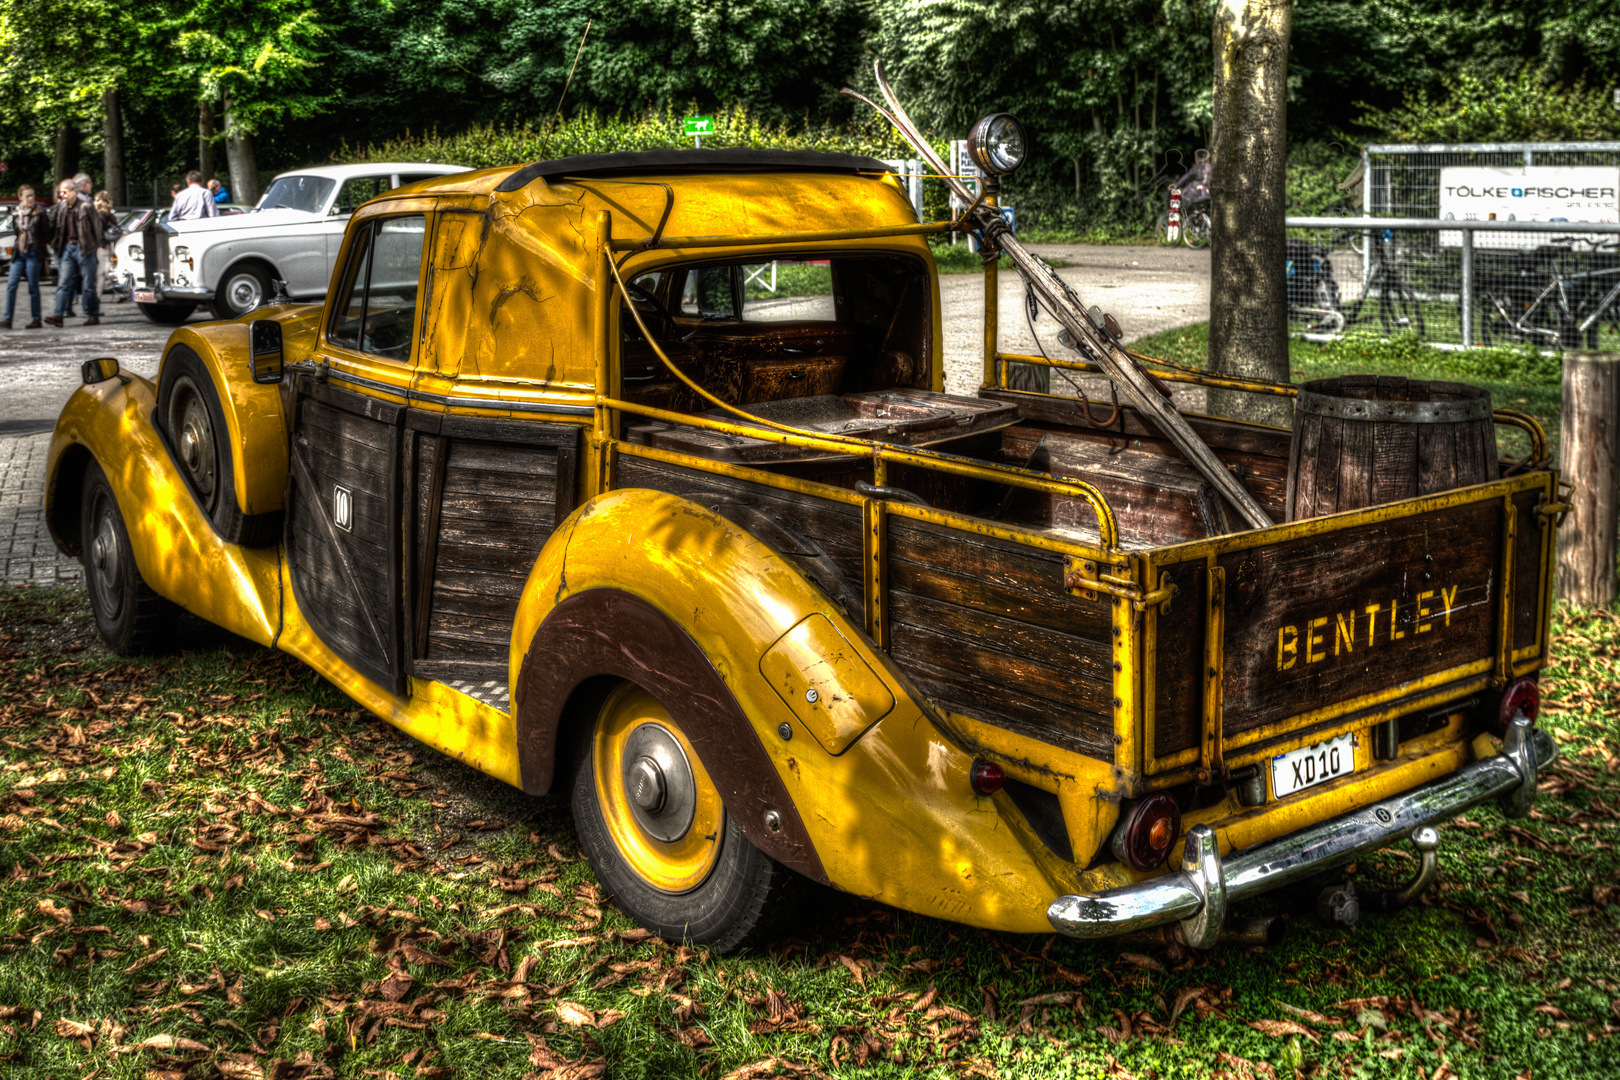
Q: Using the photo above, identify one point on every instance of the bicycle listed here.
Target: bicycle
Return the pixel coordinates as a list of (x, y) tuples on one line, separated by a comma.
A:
[(1182, 223), (1536, 302), (1399, 309), (1191, 228), (1312, 290)]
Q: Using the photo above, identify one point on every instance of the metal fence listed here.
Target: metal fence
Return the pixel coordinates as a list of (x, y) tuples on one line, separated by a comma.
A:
[(1555, 285), (1404, 180)]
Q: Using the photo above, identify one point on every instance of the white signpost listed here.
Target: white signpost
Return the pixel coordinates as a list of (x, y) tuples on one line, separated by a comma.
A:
[(1527, 193)]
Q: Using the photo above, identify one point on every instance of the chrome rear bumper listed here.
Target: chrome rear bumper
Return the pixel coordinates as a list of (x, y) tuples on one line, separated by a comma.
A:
[(1198, 895)]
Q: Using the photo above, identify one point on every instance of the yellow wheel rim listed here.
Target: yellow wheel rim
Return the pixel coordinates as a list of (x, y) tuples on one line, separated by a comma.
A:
[(661, 808)]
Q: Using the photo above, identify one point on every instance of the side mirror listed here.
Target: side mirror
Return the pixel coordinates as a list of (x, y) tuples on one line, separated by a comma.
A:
[(100, 370), (264, 344)]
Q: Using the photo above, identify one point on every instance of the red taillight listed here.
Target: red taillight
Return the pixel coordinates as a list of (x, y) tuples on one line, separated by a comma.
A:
[(1151, 829), (987, 777), (1522, 696)]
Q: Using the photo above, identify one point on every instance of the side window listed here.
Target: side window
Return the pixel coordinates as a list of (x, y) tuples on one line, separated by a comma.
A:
[(358, 189), (348, 315), (378, 306)]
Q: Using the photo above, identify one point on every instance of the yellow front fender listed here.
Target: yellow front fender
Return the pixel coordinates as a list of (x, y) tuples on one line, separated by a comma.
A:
[(888, 813), (176, 548)]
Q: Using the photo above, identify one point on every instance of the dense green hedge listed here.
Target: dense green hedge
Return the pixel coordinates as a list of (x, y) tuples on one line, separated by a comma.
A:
[(591, 133)]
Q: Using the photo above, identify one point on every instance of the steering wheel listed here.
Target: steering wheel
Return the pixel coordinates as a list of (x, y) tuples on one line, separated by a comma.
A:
[(658, 305)]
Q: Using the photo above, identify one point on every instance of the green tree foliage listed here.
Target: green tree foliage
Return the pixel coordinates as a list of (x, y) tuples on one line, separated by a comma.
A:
[(261, 57), (1104, 87), (1353, 55), (1527, 107), (1112, 91)]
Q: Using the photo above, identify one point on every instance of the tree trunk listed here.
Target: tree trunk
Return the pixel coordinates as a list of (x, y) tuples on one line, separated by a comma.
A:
[(1589, 456), (67, 153), (205, 140), (239, 157), (112, 153), (1248, 306)]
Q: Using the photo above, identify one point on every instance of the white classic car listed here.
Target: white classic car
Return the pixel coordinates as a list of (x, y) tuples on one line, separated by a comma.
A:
[(231, 262)]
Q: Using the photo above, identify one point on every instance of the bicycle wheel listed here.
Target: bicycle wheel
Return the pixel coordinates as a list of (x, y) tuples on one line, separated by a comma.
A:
[(1327, 298), (1399, 310), (1162, 228), (1195, 228)]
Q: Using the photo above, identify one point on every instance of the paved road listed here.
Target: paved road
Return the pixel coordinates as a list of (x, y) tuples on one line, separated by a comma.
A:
[(40, 368), (1145, 289)]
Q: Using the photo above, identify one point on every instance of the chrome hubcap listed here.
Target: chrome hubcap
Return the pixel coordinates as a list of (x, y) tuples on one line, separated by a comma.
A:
[(659, 781), (104, 563), (647, 785), (194, 439), (243, 292)]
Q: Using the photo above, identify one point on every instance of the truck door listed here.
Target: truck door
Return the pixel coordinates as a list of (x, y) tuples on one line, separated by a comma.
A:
[(410, 530), (344, 507)]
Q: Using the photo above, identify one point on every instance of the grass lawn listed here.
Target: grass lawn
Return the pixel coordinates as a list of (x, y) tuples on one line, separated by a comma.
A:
[(212, 864)]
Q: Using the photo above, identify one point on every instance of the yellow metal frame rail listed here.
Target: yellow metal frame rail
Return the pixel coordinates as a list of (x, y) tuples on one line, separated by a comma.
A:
[(1508, 417)]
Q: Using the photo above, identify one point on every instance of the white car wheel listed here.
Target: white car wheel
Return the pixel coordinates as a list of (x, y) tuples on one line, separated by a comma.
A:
[(243, 289)]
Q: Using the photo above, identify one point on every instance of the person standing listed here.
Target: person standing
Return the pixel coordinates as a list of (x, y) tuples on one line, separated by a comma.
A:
[(76, 229), (81, 181), (217, 192), (174, 192), (28, 255), (193, 202), (109, 233)]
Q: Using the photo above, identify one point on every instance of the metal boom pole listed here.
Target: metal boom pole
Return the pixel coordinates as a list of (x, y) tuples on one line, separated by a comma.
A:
[(1065, 306)]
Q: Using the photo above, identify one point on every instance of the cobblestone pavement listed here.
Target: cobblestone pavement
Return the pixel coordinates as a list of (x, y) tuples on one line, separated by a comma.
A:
[(27, 554)]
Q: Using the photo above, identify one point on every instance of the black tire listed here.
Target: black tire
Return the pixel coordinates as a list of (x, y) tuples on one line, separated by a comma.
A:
[(1400, 311), (168, 313), (1195, 228), (744, 899), (131, 617), (244, 287), (193, 421)]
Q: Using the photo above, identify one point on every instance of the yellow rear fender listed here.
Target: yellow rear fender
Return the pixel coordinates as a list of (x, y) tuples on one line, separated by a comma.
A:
[(822, 753), (176, 548)]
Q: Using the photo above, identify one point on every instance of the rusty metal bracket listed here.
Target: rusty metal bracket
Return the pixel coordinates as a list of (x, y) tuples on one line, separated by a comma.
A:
[(1561, 507), (1166, 585), (1083, 578)]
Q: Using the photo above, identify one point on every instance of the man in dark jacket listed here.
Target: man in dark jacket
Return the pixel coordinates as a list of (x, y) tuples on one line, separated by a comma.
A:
[(77, 228)]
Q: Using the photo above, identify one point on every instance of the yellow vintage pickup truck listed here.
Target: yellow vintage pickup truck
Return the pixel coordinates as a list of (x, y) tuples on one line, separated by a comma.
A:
[(633, 476)]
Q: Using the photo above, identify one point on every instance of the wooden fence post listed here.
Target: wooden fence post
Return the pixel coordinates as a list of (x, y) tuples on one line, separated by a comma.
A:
[(1589, 457)]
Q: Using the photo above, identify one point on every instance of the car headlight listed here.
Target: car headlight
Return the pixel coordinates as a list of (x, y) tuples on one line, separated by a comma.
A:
[(135, 253), (997, 144)]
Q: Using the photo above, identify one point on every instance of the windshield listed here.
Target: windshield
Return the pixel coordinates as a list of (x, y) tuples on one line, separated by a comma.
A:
[(306, 193)]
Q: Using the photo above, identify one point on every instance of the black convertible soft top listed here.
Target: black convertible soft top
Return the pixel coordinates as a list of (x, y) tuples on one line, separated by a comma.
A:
[(643, 162)]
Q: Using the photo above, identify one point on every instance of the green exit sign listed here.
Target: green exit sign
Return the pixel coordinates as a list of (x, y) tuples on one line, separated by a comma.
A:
[(698, 125)]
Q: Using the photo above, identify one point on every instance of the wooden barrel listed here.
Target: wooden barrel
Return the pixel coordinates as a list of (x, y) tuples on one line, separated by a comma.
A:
[(1364, 440)]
